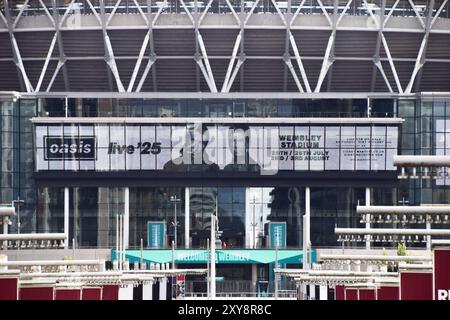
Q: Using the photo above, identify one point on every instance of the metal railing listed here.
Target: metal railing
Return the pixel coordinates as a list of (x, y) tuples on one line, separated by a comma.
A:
[(310, 7)]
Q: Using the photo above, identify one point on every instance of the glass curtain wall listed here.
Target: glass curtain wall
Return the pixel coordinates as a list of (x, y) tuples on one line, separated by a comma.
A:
[(16, 156)]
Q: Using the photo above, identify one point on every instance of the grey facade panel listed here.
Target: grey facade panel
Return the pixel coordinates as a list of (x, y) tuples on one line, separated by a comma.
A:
[(355, 44), (435, 77), (350, 76), (87, 43), (264, 42), (88, 75), (263, 75), (311, 42), (9, 80), (219, 42), (5, 47), (127, 42), (175, 75), (438, 46), (402, 44), (34, 46), (174, 42)]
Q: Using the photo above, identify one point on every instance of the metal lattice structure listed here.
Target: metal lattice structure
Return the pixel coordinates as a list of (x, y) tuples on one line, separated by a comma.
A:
[(298, 46)]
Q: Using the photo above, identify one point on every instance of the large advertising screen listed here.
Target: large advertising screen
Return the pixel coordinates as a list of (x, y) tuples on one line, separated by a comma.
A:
[(201, 146)]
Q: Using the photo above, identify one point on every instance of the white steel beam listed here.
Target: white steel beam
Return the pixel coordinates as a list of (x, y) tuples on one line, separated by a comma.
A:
[(144, 75), (390, 13), (111, 15), (206, 61), (236, 17), (325, 12), (233, 76), (279, 12), (139, 61), (420, 61), (419, 17), (294, 75), (251, 11), (204, 12), (327, 62), (383, 74), (47, 60), (299, 62), (327, 59), (95, 12), (391, 63), (66, 13), (141, 12), (231, 64), (297, 12), (19, 15), (438, 12)]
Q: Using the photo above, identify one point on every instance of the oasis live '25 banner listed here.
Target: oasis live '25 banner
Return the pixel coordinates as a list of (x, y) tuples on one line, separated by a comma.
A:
[(271, 148)]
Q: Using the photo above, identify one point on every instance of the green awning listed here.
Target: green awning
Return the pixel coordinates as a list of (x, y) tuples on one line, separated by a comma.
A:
[(248, 256)]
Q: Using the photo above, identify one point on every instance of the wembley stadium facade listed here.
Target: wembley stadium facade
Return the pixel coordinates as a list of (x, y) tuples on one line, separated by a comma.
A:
[(278, 117)]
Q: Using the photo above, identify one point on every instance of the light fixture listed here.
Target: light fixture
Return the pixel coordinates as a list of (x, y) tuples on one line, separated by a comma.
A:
[(388, 219)]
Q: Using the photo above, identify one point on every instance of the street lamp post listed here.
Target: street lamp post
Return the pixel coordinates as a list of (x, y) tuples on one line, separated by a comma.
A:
[(174, 199)]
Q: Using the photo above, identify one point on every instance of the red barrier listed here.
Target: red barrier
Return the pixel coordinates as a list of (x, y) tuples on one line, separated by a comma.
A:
[(366, 294), (339, 293), (9, 288), (416, 285), (351, 294), (92, 293), (441, 274), (110, 292), (36, 293), (388, 293), (67, 294)]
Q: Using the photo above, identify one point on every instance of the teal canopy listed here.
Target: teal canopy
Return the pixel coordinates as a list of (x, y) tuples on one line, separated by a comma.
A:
[(248, 256)]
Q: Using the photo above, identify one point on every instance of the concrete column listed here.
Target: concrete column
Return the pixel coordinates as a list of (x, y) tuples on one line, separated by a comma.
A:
[(312, 292), (254, 277), (163, 289), (368, 217), (323, 292), (147, 291), (306, 227), (3, 258), (76, 219), (66, 217), (187, 238), (103, 219), (428, 227), (248, 222), (213, 258), (126, 218)]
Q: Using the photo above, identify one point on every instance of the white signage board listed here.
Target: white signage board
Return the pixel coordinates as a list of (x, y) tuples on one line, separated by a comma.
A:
[(272, 148)]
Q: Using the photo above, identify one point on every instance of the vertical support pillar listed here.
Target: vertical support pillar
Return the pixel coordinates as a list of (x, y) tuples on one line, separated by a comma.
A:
[(306, 227), (187, 226), (213, 258), (126, 218), (368, 218), (312, 292), (147, 291), (306, 240), (323, 292), (163, 288), (66, 217), (254, 277), (428, 227)]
